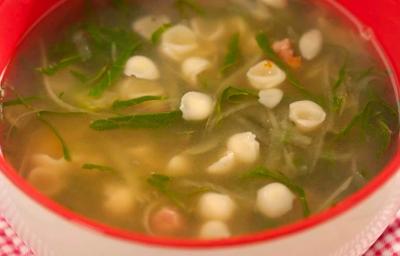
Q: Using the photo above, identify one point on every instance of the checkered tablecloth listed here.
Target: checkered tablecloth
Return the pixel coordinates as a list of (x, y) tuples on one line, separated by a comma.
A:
[(387, 245)]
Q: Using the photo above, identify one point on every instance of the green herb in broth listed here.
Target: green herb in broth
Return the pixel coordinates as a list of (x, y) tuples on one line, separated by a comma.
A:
[(102, 168), (79, 76), (121, 126), (342, 75), (232, 57), (121, 104), (65, 149), (151, 121), (185, 6), (162, 184), (113, 72), (232, 95), (120, 4), (156, 36), (19, 101), (55, 67), (377, 120)]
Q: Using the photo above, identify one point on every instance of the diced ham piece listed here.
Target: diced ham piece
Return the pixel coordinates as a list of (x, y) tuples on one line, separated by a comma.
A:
[(285, 50), (167, 221)]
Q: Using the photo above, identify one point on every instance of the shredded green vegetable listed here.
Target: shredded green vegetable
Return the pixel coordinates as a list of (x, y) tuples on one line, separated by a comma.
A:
[(19, 101), (151, 121), (377, 120), (185, 6), (79, 76), (120, 104), (113, 72), (341, 76), (162, 184), (156, 36), (232, 94), (65, 149), (233, 55), (53, 68), (102, 168)]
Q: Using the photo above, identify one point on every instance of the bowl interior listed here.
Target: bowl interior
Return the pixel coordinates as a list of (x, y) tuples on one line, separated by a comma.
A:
[(383, 23)]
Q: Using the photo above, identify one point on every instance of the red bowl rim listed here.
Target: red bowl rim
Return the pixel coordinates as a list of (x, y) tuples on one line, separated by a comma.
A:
[(282, 232)]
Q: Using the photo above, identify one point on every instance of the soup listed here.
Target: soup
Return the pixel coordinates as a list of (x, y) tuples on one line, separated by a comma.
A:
[(201, 120)]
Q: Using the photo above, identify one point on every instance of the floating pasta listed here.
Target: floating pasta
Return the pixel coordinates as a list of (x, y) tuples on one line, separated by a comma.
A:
[(274, 200), (307, 115), (178, 42), (146, 25), (141, 67), (310, 44), (209, 30), (265, 75), (194, 66), (270, 98), (196, 106), (215, 206), (223, 165)]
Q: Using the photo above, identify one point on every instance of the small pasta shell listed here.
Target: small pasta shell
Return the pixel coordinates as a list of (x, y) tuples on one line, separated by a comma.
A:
[(192, 67), (223, 165), (265, 75), (178, 42), (310, 44), (307, 115), (244, 146), (146, 25), (274, 200), (208, 30), (196, 106), (270, 98), (141, 67)]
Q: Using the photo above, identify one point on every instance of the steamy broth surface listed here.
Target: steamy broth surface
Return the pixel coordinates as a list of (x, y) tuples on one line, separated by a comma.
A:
[(197, 119)]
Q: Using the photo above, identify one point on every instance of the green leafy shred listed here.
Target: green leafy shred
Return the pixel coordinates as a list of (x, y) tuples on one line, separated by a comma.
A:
[(185, 6), (162, 184), (365, 73), (233, 55), (19, 101), (65, 149), (337, 103), (172, 187), (342, 75), (102, 168), (53, 68), (151, 121), (156, 36), (79, 76), (377, 121), (120, 104), (264, 173), (119, 4), (113, 72), (233, 94), (265, 45), (103, 37)]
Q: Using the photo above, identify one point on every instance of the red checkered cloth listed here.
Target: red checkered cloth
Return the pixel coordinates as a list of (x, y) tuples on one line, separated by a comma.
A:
[(387, 245), (10, 244)]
